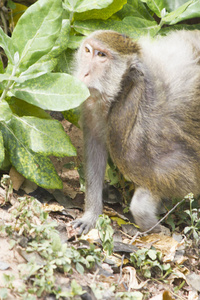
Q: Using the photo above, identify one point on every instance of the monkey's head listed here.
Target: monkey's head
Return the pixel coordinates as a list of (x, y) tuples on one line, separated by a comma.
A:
[(103, 58)]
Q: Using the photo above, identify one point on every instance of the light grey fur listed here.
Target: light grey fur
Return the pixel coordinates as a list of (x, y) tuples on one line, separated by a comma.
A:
[(144, 110)]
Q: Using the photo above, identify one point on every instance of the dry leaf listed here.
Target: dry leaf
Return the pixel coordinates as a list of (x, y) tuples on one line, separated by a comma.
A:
[(16, 178), (166, 244), (167, 296), (193, 280), (52, 207), (129, 277)]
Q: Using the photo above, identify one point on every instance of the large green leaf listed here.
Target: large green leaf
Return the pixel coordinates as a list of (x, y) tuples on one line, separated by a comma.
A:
[(134, 8), (5, 112), (2, 151), (103, 13), (75, 41), (80, 6), (41, 67), (174, 16), (192, 10), (52, 91), (173, 5), (7, 45), (43, 136), (134, 27), (166, 30), (62, 41), (65, 61), (73, 116), (156, 6), (36, 167), (48, 62), (22, 108), (37, 30)]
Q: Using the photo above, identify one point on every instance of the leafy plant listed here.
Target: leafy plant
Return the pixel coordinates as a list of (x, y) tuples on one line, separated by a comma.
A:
[(40, 49), (105, 233), (149, 262), (30, 220), (27, 133), (194, 214)]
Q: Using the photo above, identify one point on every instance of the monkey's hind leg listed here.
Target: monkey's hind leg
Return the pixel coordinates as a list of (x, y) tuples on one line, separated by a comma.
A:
[(144, 208)]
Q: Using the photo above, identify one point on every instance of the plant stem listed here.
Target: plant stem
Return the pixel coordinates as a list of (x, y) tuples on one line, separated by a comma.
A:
[(9, 84)]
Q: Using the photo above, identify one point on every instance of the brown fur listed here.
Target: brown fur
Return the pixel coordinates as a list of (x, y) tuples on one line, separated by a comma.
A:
[(144, 110)]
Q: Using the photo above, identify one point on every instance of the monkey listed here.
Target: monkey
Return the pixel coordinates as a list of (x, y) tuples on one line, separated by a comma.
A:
[(143, 111)]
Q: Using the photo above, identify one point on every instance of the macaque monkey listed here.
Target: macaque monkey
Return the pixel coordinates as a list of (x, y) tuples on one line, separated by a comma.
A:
[(144, 110)]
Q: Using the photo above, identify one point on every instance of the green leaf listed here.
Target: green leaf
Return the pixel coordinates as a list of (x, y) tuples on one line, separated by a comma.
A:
[(1, 67), (73, 116), (7, 45), (134, 8), (173, 5), (2, 151), (166, 30), (62, 41), (5, 112), (37, 30), (189, 10), (85, 5), (56, 243), (52, 91), (175, 16), (44, 136), (41, 67), (79, 268), (75, 41), (65, 61), (22, 108), (35, 167), (134, 27), (103, 13), (152, 254), (156, 6), (6, 77)]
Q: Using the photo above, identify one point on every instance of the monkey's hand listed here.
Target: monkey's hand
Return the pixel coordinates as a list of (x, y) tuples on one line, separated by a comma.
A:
[(86, 223)]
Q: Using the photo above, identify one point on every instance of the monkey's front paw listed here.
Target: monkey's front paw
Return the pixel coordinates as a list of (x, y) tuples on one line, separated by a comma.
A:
[(87, 222)]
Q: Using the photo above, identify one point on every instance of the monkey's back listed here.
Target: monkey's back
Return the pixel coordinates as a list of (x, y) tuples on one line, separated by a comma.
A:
[(160, 145)]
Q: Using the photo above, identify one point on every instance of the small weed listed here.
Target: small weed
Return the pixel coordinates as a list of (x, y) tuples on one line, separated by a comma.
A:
[(149, 263), (105, 233), (194, 214), (43, 239)]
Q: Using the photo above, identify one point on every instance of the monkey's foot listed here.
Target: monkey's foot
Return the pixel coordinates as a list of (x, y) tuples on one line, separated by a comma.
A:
[(86, 223)]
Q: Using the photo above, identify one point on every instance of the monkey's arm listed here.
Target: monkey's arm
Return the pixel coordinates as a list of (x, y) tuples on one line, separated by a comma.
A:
[(95, 163)]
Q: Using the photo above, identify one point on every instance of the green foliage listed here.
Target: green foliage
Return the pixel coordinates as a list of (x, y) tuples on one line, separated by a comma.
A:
[(129, 295), (194, 214), (105, 233), (149, 263), (41, 48), (43, 239), (27, 134), (186, 217)]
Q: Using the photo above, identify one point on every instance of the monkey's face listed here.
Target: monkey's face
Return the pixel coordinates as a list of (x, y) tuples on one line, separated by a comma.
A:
[(102, 60), (94, 62)]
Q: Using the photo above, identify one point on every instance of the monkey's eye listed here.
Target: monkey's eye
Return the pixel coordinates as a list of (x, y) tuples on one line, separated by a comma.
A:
[(99, 53), (87, 49)]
